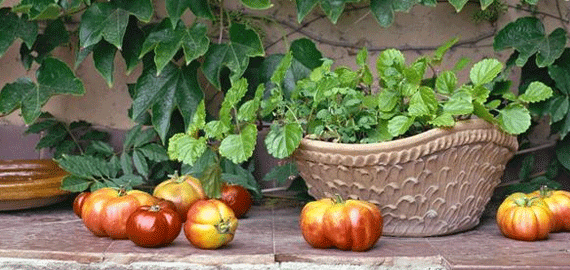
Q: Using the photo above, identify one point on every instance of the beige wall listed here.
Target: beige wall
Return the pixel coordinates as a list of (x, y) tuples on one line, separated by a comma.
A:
[(416, 32)]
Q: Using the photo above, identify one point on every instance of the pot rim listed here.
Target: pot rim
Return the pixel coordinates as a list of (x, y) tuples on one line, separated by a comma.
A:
[(462, 126)]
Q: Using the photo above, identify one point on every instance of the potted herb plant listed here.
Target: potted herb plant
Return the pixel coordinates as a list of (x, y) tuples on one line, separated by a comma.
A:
[(428, 150)]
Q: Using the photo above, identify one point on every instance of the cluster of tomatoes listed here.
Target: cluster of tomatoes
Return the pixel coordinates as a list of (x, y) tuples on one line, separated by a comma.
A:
[(535, 215), (157, 219)]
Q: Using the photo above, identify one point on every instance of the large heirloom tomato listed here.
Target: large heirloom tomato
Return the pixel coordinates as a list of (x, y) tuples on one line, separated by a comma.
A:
[(524, 217), (237, 198), (210, 224), (558, 202), (183, 191), (106, 210), (348, 225), (153, 226)]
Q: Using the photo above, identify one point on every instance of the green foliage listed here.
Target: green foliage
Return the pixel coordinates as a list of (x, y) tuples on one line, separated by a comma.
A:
[(339, 106)]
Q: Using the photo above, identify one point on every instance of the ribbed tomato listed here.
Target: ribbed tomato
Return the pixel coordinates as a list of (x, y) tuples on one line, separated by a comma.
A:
[(237, 198), (210, 224), (153, 226), (79, 201), (106, 210), (183, 191), (348, 225), (524, 217), (558, 202)]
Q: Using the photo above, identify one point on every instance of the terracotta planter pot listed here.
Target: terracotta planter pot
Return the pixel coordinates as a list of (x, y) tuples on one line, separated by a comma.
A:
[(30, 183), (434, 183)]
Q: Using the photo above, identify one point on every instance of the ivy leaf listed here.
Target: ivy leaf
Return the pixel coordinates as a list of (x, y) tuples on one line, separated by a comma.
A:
[(39, 9), (132, 44), (382, 11), (560, 72), (334, 8), (104, 60), (13, 27), (174, 88), (108, 20), (458, 4), (485, 71), (535, 92), (166, 42), (399, 125), (558, 108), (459, 103), (185, 148), (54, 77), (527, 36), (257, 4), (239, 147), (54, 35), (304, 7), (281, 141), (244, 43), (175, 9), (514, 119)]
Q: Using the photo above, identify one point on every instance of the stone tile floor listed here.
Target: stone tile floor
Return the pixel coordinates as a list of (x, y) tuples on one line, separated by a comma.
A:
[(268, 238)]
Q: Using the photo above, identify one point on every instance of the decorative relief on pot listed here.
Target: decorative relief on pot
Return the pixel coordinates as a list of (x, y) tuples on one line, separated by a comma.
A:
[(424, 190)]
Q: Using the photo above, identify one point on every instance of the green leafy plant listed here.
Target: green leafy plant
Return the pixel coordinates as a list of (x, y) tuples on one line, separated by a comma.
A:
[(543, 58), (78, 137), (339, 105)]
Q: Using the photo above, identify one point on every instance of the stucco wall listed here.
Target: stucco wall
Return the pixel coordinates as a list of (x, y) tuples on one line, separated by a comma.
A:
[(416, 32)]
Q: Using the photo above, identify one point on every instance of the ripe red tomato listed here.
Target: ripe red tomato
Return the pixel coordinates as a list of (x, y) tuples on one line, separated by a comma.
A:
[(153, 226), (78, 202), (237, 198), (348, 225), (210, 224), (558, 202), (183, 191), (524, 217), (106, 210)]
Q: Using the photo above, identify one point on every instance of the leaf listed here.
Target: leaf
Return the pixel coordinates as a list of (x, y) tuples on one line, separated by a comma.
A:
[(84, 166), (563, 153), (211, 180), (482, 112), (459, 103), (527, 165), (53, 36), (244, 43), (99, 147), (104, 60), (443, 49), (140, 163), (536, 92), (174, 88), (40, 126), (304, 7), (236, 174), (39, 9), (514, 119), (132, 45), (458, 4), (399, 125), (560, 72), (281, 141), (485, 71), (387, 100), (527, 36), (154, 152), (446, 82), (54, 136), (233, 96), (282, 173), (281, 69), (443, 120), (257, 4), (423, 102), (54, 78), (383, 10), (13, 27), (126, 163), (239, 147), (176, 8), (185, 148), (166, 42), (334, 8), (73, 183), (108, 20), (558, 108)]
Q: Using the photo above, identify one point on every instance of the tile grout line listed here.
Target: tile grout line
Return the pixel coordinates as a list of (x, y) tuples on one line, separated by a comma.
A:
[(273, 234)]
